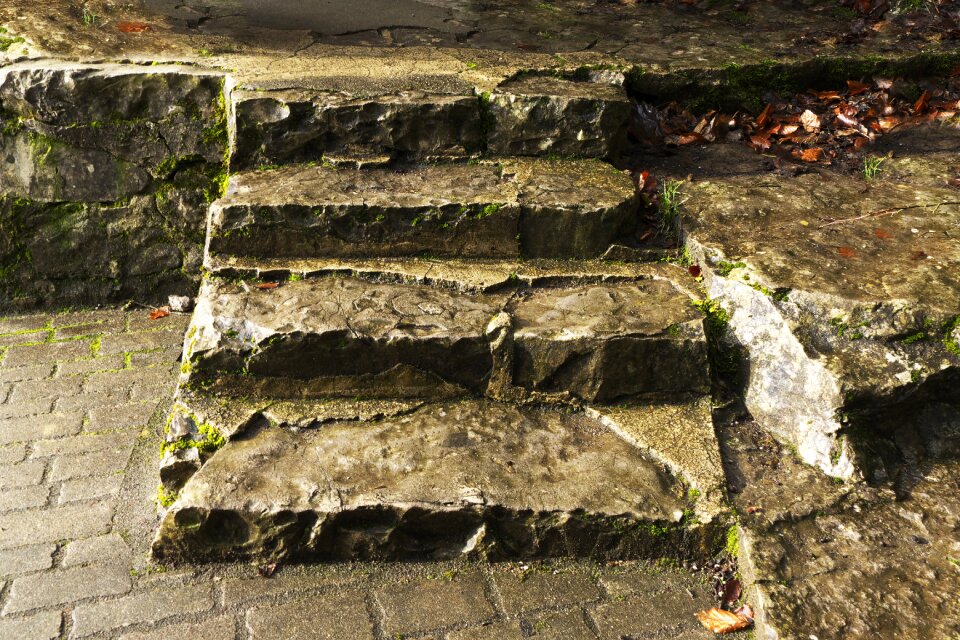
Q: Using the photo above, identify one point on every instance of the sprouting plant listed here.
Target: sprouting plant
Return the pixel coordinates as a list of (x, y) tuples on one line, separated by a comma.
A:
[(871, 166), (89, 18), (670, 208)]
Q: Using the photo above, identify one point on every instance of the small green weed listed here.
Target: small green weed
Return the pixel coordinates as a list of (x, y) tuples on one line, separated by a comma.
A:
[(872, 166), (670, 208)]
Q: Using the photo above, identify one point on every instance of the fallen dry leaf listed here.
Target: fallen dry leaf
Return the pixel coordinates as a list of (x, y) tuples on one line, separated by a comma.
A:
[(810, 121), (695, 270), (133, 27), (732, 591), (159, 312), (882, 234), (268, 285), (720, 621), (809, 155), (846, 252)]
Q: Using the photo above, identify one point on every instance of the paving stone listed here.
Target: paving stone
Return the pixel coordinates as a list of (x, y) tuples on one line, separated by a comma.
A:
[(647, 615), (89, 329), (566, 625), (159, 357), (93, 402), (40, 427), (140, 341), (26, 559), (433, 604), (101, 550), (150, 607), (619, 584), (10, 340), (44, 353), (28, 408), (135, 414), (91, 488), (105, 363), (222, 628), (65, 586), (341, 616), (12, 453), (103, 462), (238, 590), (11, 324), (27, 391), (21, 474), (536, 590), (84, 443), (124, 379), (50, 525), (504, 630), (175, 323), (42, 626), (23, 498), (465, 474), (35, 372)]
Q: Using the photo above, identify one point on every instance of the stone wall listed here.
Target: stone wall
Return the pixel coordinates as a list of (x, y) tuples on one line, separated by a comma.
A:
[(106, 172)]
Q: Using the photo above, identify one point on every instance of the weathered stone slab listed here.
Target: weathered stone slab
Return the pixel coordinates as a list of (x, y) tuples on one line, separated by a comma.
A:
[(95, 133), (847, 302), (283, 127), (342, 336), (540, 115), (465, 210), (547, 209), (602, 343), (470, 477)]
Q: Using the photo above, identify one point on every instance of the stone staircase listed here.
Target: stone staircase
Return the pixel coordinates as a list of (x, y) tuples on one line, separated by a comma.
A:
[(407, 343)]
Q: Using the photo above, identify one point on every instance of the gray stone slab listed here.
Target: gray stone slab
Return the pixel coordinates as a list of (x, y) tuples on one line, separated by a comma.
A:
[(40, 427), (846, 303), (23, 498), (341, 616), (42, 626), (222, 628), (98, 463), (91, 488), (433, 604), (503, 630), (522, 592), (448, 210), (26, 559), (21, 474), (445, 480), (64, 523), (150, 607), (102, 550), (282, 127), (65, 586), (539, 115), (563, 625), (12, 453)]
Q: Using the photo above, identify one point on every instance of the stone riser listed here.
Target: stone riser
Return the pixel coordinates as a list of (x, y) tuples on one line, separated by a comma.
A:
[(345, 336), (534, 209), (528, 116)]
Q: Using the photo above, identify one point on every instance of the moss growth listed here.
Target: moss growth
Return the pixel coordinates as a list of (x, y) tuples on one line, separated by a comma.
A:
[(724, 268), (725, 356), (732, 546), (166, 498)]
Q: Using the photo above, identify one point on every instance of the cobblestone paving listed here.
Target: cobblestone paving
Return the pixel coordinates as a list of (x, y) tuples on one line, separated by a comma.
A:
[(82, 402)]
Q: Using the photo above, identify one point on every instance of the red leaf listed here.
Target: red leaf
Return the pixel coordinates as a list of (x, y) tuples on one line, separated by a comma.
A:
[(882, 234), (754, 509), (133, 27), (159, 312), (731, 592), (268, 285), (918, 255), (856, 88), (760, 142), (847, 252), (809, 155), (921, 104), (695, 270), (764, 116)]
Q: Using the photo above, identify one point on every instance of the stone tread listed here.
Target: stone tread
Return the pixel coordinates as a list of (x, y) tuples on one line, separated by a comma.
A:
[(447, 479), (538, 208), (598, 342)]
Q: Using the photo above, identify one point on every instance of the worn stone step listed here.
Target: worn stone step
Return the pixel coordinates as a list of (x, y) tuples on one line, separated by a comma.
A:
[(343, 336), (429, 117), (846, 304), (471, 477), (537, 208)]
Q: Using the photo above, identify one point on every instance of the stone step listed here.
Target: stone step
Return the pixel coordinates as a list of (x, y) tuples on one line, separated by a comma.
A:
[(470, 477), (432, 117), (537, 208), (342, 335)]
